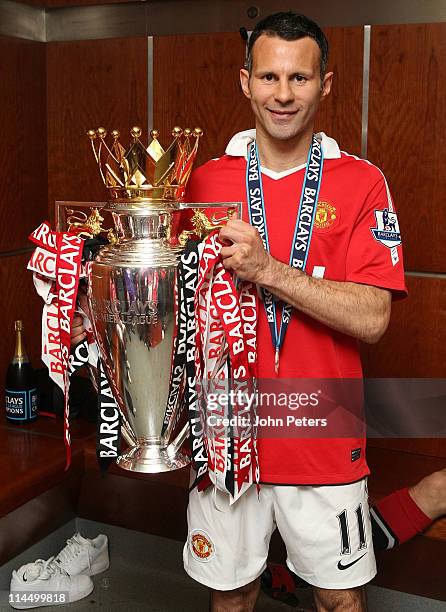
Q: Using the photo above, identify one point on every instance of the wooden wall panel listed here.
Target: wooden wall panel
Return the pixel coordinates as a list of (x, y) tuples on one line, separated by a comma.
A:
[(407, 113), (413, 347), (407, 131), (23, 193), (415, 344), (23, 171), (19, 301), (196, 82), (340, 114), (434, 447), (90, 84)]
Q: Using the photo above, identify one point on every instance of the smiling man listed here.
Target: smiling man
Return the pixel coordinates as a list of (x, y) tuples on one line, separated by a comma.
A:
[(313, 237)]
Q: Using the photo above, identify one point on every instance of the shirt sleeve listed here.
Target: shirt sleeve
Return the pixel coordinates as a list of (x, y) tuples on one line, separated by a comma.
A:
[(374, 255)]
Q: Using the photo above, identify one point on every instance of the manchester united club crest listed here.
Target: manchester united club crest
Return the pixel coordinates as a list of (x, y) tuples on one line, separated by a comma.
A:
[(327, 216), (387, 230), (201, 545)]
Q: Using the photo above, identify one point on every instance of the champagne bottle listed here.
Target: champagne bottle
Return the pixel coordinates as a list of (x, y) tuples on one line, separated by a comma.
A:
[(20, 387)]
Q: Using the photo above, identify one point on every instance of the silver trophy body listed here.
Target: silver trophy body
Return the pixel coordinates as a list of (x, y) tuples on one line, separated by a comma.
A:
[(131, 294)]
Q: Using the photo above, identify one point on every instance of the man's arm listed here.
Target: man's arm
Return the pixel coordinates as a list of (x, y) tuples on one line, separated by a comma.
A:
[(357, 310)]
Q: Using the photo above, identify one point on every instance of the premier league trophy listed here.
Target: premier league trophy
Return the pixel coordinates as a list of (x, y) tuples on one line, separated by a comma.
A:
[(132, 292)]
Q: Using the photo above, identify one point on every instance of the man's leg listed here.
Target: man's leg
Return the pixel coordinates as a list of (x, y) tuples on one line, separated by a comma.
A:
[(242, 599), (430, 494), (227, 544), (398, 517), (327, 533), (349, 600)]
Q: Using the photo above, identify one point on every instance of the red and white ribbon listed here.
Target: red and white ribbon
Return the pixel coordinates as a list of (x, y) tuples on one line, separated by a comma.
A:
[(56, 264), (226, 327)]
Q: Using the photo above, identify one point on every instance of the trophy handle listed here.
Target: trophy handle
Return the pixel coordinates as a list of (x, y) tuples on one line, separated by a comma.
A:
[(178, 442), (203, 226)]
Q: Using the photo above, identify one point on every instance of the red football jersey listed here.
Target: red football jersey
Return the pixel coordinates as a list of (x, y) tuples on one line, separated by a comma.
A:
[(355, 238)]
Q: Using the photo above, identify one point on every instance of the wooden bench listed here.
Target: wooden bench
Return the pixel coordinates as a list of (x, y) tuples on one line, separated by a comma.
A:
[(37, 495)]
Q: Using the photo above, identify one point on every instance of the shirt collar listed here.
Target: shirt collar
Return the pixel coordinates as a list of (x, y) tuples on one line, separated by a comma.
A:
[(238, 145)]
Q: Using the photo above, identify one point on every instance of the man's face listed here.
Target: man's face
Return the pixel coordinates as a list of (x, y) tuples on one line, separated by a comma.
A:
[(284, 86)]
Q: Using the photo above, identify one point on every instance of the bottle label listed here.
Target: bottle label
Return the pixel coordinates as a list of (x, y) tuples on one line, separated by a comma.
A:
[(21, 405)]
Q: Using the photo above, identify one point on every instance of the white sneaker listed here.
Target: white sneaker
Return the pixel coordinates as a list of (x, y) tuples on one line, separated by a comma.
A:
[(84, 556), (44, 583)]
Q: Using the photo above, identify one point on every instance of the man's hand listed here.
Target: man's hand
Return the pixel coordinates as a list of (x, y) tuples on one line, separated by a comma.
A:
[(77, 330), (246, 256), (360, 311), (77, 327)]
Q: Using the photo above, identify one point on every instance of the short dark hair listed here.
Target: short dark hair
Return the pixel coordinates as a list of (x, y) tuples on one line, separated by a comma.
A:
[(289, 26)]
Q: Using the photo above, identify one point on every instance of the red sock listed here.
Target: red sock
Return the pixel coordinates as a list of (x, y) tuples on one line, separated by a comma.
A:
[(402, 515)]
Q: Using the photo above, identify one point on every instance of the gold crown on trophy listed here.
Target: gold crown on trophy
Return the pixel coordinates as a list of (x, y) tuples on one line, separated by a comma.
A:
[(149, 173)]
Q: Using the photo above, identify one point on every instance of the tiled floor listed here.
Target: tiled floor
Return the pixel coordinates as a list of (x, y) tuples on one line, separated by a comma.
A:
[(146, 574)]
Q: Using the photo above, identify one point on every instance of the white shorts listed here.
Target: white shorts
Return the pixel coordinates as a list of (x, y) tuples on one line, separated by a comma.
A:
[(326, 530)]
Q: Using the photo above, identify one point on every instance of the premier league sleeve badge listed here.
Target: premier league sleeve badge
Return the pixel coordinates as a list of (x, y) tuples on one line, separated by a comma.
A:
[(387, 230)]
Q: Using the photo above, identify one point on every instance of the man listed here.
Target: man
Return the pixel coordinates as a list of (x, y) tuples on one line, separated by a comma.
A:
[(285, 79), (279, 73), (340, 291)]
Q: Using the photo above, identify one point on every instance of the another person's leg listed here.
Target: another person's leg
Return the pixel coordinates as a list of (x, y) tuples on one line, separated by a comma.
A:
[(398, 517), (430, 494)]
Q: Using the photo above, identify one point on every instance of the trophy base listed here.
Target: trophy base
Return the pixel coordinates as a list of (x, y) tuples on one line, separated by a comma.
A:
[(151, 459)]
